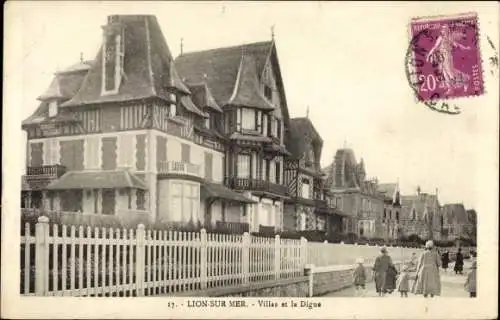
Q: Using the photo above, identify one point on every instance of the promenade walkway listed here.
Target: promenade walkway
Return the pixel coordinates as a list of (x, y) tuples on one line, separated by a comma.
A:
[(451, 286)]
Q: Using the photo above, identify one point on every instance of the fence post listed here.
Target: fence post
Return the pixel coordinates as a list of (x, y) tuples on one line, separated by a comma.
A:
[(309, 272), (203, 258), (245, 257), (303, 251), (277, 257), (42, 256), (140, 259)]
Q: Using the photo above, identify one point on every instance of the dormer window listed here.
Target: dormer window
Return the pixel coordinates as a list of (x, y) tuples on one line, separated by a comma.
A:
[(113, 57), (268, 93), (173, 105), (52, 108)]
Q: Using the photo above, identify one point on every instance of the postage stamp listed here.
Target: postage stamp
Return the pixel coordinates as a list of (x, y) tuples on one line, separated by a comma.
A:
[(445, 57)]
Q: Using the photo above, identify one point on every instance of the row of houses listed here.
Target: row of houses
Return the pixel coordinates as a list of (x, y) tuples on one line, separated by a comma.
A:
[(205, 138)]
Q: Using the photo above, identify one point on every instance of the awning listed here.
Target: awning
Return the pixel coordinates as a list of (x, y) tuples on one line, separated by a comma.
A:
[(219, 191), (97, 180)]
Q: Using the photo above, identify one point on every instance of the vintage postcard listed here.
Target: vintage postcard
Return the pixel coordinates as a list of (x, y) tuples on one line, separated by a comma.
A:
[(250, 160)]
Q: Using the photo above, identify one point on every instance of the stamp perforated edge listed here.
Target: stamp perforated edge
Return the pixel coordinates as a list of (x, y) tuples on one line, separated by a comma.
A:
[(478, 45)]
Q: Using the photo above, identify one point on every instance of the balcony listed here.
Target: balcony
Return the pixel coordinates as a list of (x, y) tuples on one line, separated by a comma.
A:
[(255, 185), (179, 168), (232, 227), (45, 172)]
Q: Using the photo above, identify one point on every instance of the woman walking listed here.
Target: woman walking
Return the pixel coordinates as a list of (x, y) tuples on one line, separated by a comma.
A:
[(428, 282), (382, 264), (459, 262), (445, 259)]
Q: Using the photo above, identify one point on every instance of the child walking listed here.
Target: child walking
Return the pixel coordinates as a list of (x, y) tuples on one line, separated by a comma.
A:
[(470, 283), (403, 283), (359, 278)]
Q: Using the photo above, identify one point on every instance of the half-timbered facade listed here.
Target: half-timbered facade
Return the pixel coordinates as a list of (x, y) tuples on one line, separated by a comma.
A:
[(245, 82), (308, 208), (123, 136)]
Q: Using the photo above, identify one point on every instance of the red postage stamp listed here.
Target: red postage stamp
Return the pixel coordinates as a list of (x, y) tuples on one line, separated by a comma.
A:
[(446, 57)]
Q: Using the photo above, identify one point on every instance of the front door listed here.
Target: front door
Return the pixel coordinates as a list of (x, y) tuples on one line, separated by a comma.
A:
[(108, 201)]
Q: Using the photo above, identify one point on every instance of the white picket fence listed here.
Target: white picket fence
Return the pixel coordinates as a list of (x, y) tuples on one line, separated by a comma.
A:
[(110, 262), (70, 261)]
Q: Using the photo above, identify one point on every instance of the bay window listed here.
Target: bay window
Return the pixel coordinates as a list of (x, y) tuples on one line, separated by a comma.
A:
[(185, 202), (248, 119), (305, 188), (243, 166)]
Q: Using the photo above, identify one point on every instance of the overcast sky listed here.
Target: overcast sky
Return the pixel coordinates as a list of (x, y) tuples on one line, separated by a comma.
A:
[(349, 70)]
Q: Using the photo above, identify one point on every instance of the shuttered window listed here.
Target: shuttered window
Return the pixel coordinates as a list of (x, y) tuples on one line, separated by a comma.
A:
[(126, 146), (209, 166), (72, 154), (185, 152), (92, 152)]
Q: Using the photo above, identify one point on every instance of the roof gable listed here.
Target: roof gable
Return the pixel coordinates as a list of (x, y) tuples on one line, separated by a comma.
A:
[(148, 68), (219, 67)]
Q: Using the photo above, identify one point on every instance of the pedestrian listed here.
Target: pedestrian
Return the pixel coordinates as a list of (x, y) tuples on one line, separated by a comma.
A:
[(428, 282), (445, 259), (359, 278), (390, 279), (470, 283), (380, 267), (403, 283), (459, 262)]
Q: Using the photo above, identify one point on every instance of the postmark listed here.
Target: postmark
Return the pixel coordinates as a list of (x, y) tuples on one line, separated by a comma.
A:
[(443, 60)]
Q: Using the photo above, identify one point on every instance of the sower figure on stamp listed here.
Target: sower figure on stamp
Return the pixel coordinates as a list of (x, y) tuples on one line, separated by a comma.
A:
[(428, 281), (441, 54)]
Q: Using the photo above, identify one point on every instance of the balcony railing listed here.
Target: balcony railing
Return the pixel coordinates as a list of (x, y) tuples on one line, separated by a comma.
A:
[(52, 171), (254, 185), (179, 167), (232, 227)]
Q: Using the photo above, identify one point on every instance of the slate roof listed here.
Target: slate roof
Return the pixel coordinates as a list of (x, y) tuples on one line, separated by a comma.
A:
[(220, 67), (297, 141), (190, 106), (455, 212), (202, 96), (148, 67), (214, 190), (97, 180)]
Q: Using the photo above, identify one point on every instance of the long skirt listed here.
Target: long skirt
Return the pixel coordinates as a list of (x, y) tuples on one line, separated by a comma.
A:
[(380, 281), (428, 281)]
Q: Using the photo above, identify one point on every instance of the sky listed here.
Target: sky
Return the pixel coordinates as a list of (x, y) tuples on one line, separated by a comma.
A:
[(349, 70)]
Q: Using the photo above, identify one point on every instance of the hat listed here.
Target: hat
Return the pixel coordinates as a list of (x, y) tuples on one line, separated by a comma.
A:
[(429, 244), (405, 267), (383, 250)]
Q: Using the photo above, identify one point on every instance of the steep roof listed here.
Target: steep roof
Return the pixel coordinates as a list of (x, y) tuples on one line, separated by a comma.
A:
[(148, 68), (202, 96), (345, 175), (297, 138), (220, 67), (455, 212)]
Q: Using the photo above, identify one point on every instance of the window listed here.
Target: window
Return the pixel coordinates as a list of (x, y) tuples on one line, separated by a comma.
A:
[(413, 215), (243, 166), (96, 200), (185, 152), (268, 169), (208, 166), (397, 216), (129, 198), (268, 93), (141, 199), (302, 221), (52, 108), (390, 215), (258, 120), (305, 188), (385, 214), (278, 172), (248, 119), (207, 122), (278, 124)]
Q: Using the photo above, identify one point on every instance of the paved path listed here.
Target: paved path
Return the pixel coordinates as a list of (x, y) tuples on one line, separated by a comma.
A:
[(451, 286)]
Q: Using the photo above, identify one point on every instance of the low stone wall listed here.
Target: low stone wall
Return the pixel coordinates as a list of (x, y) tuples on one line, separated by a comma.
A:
[(335, 278), (296, 287)]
